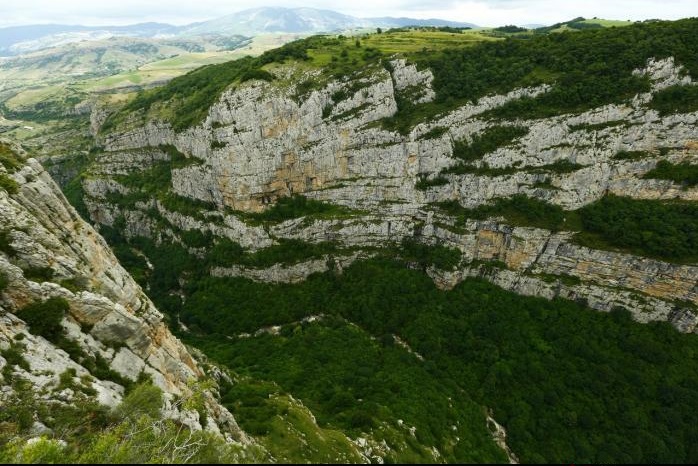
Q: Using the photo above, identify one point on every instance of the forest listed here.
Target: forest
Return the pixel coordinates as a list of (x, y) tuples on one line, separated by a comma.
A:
[(569, 384)]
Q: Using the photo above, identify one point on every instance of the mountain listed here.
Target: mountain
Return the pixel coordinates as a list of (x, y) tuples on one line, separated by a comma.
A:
[(276, 19), (389, 22), (22, 39), (408, 246), (303, 20)]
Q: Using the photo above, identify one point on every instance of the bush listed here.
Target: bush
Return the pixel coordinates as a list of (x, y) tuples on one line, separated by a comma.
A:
[(143, 400), (675, 99), (38, 274), (8, 184), (44, 318), (4, 281), (683, 173), (9, 159)]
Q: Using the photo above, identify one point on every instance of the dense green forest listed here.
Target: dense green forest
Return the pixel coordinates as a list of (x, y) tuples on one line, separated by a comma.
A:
[(552, 371), (667, 230), (589, 68)]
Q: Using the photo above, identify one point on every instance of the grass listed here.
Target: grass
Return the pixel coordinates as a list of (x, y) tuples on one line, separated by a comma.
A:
[(9, 159), (8, 184)]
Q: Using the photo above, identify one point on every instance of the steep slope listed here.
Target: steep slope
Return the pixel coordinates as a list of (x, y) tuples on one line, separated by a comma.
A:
[(303, 215), (259, 144), (72, 321)]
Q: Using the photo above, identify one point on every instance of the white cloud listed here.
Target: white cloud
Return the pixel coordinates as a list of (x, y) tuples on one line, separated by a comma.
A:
[(485, 12)]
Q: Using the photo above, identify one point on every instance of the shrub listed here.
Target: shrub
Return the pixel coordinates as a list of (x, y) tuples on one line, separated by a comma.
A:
[(8, 184), (44, 318), (4, 281), (683, 173), (144, 400)]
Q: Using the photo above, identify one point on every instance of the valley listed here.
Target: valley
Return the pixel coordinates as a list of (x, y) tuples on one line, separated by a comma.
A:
[(390, 242)]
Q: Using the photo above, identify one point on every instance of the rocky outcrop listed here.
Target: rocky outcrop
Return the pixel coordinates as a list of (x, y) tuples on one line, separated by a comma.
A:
[(260, 142), (109, 317)]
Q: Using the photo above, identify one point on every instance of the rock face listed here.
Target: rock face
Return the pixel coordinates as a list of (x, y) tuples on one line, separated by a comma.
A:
[(259, 143), (109, 316)]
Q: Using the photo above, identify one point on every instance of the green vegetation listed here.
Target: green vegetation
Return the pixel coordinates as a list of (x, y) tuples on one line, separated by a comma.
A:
[(190, 95), (44, 318), (632, 155), (598, 126), (488, 141), (8, 184), (510, 29), (288, 251), (550, 370), (4, 281), (85, 432), (518, 210), (287, 208), (589, 68), (563, 278), (481, 144), (683, 173), (13, 357), (439, 256), (38, 274), (434, 133), (185, 100), (561, 166), (9, 159), (6, 243), (676, 99), (424, 182), (666, 230), (580, 23)]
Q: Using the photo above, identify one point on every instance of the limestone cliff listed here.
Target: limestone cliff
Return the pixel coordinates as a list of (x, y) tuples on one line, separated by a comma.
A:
[(48, 251), (260, 142)]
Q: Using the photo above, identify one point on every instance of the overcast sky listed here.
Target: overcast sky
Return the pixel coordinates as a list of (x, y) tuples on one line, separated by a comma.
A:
[(482, 12)]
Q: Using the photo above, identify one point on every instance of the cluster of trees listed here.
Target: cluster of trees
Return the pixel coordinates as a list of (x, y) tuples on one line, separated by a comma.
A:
[(480, 144), (519, 210), (675, 99), (667, 230), (589, 68), (569, 384), (661, 229), (683, 173), (296, 206)]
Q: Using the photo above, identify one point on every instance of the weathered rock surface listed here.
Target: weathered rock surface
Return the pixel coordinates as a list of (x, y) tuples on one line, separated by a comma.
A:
[(106, 306), (259, 143)]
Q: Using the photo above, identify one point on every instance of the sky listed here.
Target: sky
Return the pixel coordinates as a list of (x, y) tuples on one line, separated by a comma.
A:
[(481, 12)]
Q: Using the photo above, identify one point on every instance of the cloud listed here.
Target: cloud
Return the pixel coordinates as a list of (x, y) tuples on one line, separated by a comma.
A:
[(486, 12)]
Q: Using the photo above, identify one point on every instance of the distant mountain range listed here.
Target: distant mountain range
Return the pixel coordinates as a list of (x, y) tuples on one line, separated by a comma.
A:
[(22, 39)]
